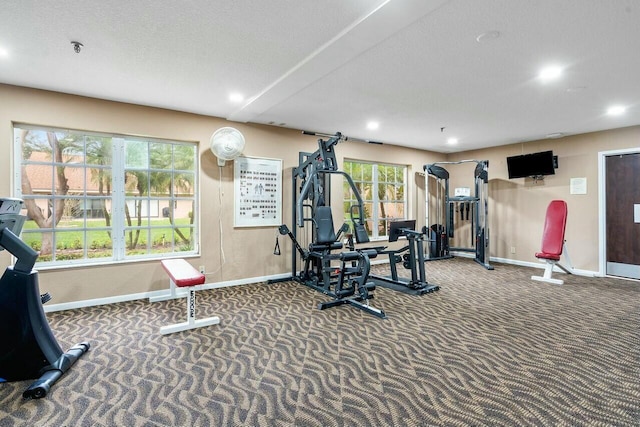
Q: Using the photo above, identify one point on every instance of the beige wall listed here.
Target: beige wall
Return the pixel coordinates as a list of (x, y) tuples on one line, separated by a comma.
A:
[(248, 251), (516, 207)]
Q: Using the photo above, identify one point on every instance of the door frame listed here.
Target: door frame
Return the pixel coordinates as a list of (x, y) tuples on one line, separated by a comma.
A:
[(602, 203)]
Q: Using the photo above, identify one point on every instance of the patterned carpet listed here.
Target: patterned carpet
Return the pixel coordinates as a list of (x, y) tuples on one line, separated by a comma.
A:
[(491, 348)]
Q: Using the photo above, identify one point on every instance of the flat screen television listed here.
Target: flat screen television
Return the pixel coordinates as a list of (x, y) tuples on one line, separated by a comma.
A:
[(534, 164)]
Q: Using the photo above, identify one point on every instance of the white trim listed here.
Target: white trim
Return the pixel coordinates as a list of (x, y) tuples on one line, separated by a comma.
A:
[(577, 272), (602, 206), (145, 295)]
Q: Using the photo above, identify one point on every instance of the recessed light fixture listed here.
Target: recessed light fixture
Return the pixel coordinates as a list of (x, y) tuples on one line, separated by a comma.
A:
[(452, 141), (3, 52), (236, 97), (373, 125), (488, 36), (550, 73), (616, 110), (576, 89), (554, 135)]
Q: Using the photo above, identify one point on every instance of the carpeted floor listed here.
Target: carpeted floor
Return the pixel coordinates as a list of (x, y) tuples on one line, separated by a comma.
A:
[(491, 348)]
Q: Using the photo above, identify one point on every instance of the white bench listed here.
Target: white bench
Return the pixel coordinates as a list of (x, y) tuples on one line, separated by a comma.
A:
[(181, 275)]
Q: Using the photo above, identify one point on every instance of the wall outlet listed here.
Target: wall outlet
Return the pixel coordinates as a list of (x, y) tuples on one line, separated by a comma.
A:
[(201, 268), (513, 249)]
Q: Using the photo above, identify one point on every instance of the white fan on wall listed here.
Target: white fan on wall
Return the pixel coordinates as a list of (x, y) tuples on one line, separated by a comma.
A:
[(227, 143)]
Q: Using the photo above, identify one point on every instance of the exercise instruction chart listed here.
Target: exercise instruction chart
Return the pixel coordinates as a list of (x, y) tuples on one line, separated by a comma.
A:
[(258, 192)]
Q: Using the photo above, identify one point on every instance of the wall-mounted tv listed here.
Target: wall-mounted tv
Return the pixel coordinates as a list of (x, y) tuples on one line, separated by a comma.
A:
[(534, 164)]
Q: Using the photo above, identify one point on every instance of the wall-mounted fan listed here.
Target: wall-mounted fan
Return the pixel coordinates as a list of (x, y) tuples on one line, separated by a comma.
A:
[(227, 143)]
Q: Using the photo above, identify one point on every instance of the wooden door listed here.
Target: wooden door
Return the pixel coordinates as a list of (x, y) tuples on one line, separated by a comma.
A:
[(623, 215)]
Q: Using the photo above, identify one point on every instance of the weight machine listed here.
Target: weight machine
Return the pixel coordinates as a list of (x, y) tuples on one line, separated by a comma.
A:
[(28, 348), (412, 258), (463, 205), (341, 275)]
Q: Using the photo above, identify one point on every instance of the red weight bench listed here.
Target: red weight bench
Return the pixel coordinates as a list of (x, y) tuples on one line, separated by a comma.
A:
[(553, 242), (184, 275)]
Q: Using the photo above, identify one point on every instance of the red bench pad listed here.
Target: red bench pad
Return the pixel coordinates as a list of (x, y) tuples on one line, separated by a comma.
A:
[(554, 227), (182, 273)]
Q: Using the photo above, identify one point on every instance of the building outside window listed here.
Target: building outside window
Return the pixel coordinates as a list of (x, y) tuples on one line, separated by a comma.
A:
[(382, 189), (105, 198)]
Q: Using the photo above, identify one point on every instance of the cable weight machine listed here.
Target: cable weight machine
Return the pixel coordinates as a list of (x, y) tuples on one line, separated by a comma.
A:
[(460, 207), (342, 275)]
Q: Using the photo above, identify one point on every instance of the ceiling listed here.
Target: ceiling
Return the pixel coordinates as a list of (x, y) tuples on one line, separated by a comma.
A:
[(425, 70)]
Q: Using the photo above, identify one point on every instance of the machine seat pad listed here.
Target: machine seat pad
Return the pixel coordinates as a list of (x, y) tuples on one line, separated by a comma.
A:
[(182, 273), (318, 247), (545, 255), (554, 227)]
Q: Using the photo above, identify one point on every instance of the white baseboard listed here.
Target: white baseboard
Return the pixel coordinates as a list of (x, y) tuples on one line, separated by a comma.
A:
[(146, 295), (49, 308), (578, 272)]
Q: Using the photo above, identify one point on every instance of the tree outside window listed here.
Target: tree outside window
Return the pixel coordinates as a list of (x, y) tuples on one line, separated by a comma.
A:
[(382, 189), (86, 203)]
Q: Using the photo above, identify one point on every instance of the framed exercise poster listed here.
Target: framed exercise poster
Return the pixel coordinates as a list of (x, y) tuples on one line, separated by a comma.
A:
[(258, 192)]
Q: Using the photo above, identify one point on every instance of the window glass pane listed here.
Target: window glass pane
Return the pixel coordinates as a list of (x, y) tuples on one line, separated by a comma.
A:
[(136, 241), (136, 154), (382, 228), (137, 212), (182, 211), (97, 211), (38, 179), (183, 184), (161, 155), (367, 172), (136, 183), (98, 181), (71, 148), (99, 244), (160, 183), (69, 245), (98, 150), (184, 239), (71, 178), (35, 145), (162, 239), (184, 157)]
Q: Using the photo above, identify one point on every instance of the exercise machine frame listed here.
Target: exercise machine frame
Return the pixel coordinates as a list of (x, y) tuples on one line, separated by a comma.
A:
[(29, 349), (348, 282), (411, 256), (442, 230)]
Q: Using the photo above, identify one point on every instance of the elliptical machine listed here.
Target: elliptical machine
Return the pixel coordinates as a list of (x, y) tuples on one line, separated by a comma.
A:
[(28, 348)]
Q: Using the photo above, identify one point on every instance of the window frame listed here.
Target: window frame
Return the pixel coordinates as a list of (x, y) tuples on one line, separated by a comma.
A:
[(118, 197), (375, 218)]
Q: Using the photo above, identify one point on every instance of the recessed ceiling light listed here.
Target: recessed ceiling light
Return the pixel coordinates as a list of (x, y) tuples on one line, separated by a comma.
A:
[(3, 52), (550, 73), (452, 141), (576, 89), (555, 135), (616, 110), (373, 125), (488, 36), (236, 97)]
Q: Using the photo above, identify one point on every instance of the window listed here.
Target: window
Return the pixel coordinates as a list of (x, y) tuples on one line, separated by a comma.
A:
[(102, 198), (382, 189)]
